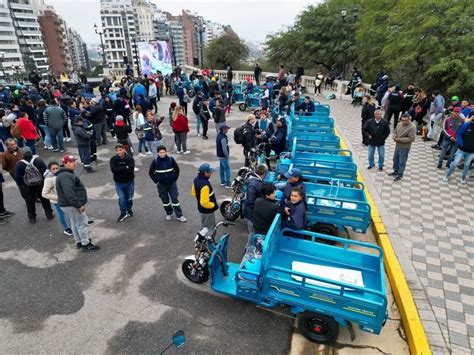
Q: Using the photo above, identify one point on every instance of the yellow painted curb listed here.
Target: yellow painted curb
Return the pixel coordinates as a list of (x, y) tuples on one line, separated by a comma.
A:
[(417, 340)]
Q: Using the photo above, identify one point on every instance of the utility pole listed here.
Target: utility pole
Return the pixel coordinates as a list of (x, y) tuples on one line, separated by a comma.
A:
[(136, 55)]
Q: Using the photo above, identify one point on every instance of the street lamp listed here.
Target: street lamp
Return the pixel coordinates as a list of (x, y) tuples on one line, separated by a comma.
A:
[(136, 55), (355, 15), (100, 33), (199, 29), (170, 39)]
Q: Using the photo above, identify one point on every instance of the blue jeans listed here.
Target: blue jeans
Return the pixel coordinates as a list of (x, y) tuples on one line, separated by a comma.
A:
[(169, 197), (198, 124), (142, 144), (31, 144), (125, 193), (460, 154), (152, 145), (400, 157), (62, 217), (447, 145), (47, 138), (224, 169), (381, 152), (57, 138)]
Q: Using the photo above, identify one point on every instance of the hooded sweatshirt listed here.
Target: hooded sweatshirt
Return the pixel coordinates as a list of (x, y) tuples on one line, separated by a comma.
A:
[(49, 187), (70, 189)]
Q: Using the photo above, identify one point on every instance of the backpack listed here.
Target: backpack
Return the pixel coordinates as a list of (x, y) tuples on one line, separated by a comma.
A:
[(32, 176), (186, 98), (239, 135), (15, 130)]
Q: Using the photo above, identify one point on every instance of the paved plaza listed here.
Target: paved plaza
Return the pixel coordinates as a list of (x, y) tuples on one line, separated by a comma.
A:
[(431, 226), (130, 296)]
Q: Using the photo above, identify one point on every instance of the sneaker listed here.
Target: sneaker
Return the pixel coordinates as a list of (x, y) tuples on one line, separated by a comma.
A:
[(205, 137), (6, 214), (187, 152), (228, 186), (168, 217), (199, 134), (50, 147), (122, 217), (222, 183), (445, 178), (78, 245), (32, 220), (463, 181), (179, 151), (398, 178), (50, 216), (90, 247), (181, 219), (130, 213), (68, 139), (62, 151), (55, 150), (380, 169), (392, 174), (148, 153), (141, 155), (68, 232), (136, 169), (438, 166), (89, 222), (369, 167)]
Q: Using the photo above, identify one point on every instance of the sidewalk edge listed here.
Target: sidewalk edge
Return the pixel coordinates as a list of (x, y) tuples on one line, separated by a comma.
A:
[(416, 336)]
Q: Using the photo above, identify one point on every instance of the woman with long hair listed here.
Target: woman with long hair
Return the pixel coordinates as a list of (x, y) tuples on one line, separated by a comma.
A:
[(140, 129), (180, 128)]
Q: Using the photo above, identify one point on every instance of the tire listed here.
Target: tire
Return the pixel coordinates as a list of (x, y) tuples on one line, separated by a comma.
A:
[(172, 92), (256, 112), (191, 93), (327, 229), (227, 213), (201, 274), (318, 328), (242, 106)]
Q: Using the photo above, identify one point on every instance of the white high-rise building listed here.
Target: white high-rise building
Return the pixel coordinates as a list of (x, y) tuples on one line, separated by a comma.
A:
[(21, 42), (78, 50), (125, 22)]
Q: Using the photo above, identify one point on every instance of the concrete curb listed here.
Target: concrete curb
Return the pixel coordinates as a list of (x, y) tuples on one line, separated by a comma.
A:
[(416, 336)]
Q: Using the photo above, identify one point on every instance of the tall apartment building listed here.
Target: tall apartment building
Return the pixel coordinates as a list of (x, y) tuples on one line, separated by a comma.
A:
[(78, 50), (55, 39), (19, 24), (191, 37), (123, 23)]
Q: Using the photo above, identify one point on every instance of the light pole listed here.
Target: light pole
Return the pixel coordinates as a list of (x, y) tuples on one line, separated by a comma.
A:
[(100, 33), (199, 29), (355, 14), (136, 55)]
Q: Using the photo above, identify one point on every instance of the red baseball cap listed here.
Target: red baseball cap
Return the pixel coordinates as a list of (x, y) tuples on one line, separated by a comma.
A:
[(68, 159), (457, 109)]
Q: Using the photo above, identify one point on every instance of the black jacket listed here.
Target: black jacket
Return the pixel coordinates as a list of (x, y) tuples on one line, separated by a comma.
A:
[(367, 112), (378, 131), (83, 137), (122, 169), (254, 191), (97, 114), (264, 213), (197, 105), (249, 136), (71, 191)]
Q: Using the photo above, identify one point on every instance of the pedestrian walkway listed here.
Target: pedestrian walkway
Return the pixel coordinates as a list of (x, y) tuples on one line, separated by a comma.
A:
[(431, 226)]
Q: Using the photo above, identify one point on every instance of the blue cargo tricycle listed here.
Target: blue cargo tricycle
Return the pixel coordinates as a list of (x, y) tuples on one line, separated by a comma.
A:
[(323, 286)]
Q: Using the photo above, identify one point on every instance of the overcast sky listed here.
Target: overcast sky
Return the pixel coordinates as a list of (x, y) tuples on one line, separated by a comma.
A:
[(252, 20)]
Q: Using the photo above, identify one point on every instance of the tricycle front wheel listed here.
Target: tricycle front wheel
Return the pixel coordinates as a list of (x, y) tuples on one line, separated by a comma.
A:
[(229, 211), (318, 328), (194, 272), (242, 106)]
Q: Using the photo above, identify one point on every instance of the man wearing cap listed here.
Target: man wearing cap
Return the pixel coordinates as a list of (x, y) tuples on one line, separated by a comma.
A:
[(29, 191), (206, 200), (72, 198), (254, 191), (294, 178), (223, 153), (451, 126)]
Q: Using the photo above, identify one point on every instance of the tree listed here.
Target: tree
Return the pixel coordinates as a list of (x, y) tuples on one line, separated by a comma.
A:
[(224, 50), (421, 42), (320, 37)]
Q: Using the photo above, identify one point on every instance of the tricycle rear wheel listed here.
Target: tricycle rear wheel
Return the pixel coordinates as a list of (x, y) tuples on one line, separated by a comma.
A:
[(242, 106), (228, 212), (318, 328), (325, 228), (194, 272)]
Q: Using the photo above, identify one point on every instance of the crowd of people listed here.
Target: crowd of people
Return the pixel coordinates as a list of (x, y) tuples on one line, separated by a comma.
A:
[(448, 124)]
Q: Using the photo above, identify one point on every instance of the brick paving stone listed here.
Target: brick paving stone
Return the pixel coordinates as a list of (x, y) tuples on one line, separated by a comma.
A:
[(435, 221)]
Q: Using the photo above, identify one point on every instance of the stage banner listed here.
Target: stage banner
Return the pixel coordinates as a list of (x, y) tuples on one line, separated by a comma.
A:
[(154, 56)]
